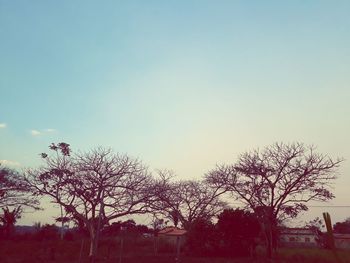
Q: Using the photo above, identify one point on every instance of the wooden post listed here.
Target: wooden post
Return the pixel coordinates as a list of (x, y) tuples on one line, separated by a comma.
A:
[(330, 236)]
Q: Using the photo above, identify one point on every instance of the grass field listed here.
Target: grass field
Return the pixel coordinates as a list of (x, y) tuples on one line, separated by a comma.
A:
[(142, 251)]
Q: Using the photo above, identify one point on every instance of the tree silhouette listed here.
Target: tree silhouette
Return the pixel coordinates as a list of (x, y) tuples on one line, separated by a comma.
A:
[(14, 191), (9, 219), (94, 187), (278, 181), (186, 201)]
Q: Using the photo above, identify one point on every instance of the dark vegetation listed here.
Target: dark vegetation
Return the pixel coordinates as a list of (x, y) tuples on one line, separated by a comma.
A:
[(234, 238), (342, 227), (95, 190), (141, 250), (236, 233), (277, 182)]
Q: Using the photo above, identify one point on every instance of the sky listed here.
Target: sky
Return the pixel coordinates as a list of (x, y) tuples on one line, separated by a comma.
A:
[(182, 85)]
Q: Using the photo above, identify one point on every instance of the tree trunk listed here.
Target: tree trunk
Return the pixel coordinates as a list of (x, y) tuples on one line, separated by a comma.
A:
[(62, 223), (270, 227), (267, 230), (269, 242), (93, 245)]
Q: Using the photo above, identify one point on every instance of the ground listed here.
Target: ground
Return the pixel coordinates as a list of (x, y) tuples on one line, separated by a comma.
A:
[(26, 251)]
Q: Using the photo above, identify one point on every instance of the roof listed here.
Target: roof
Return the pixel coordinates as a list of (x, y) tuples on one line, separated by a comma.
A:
[(172, 231), (298, 231)]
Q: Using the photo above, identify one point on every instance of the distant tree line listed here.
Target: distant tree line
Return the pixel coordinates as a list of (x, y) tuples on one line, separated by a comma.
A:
[(96, 189)]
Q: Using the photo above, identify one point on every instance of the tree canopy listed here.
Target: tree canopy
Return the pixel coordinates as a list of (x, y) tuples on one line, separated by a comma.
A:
[(14, 190), (93, 187), (279, 180), (189, 200)]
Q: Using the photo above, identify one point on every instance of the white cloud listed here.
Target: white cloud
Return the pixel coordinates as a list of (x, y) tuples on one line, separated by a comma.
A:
[(9, 163), (3, 125), (35, 132), (42, 132)]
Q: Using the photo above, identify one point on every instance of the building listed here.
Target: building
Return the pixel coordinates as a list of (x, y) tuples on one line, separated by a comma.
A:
[(299, 237), (342, 241), (172, 231), (174, 236)]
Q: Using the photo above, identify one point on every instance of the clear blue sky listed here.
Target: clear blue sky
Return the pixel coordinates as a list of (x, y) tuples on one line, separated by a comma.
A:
[(181, 84)]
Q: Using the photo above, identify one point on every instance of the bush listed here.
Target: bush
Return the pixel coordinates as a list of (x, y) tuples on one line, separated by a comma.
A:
[(69, 236), (47, 232), (238, 231), (165, 246), (201, 239)]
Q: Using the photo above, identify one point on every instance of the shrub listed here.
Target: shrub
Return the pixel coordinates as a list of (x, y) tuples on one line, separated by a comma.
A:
[(47, 232), (238, 231), (201, 239)]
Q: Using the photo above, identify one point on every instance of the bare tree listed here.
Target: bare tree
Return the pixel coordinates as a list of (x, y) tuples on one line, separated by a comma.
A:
[(278, 181), (14, 190), (185, 201), (95, 187)]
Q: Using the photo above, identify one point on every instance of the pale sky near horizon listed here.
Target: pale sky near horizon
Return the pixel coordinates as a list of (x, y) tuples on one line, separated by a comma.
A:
[(182, 85)]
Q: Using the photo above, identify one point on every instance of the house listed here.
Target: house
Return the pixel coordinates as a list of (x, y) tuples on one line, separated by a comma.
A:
[(342, 241), (172, 231), (299, 237), (173, 236)]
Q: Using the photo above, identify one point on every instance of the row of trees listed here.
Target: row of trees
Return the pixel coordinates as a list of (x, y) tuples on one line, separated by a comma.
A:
[(98, 187)]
